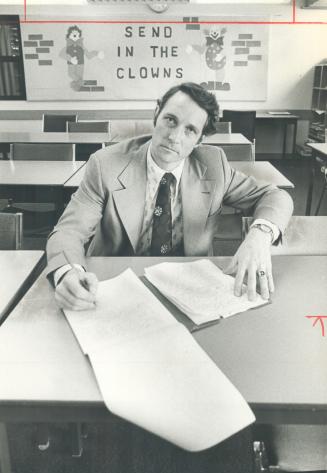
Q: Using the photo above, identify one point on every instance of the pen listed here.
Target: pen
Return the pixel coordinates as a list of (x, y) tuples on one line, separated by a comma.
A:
[(82, 281)]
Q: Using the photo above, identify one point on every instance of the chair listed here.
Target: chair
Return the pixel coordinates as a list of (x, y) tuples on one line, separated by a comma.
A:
[(84, 150), (229, 235), (88, 127), (223, 127), (124, 129), (42, 151), (303, 236), (11, 231), (56, 122), (243, 121)]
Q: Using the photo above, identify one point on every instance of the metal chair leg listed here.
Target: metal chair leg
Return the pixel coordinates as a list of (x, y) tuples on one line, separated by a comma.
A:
[(5, 466), (76, 439)]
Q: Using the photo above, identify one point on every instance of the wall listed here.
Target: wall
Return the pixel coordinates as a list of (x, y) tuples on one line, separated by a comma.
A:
[(293, 52)]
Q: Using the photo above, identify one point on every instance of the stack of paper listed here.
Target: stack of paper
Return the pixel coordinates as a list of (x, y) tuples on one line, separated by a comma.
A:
[(200, 290), (152, 372)]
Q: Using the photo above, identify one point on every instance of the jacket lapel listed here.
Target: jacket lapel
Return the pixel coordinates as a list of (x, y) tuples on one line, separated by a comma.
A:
[(197, 194), (130, 197)]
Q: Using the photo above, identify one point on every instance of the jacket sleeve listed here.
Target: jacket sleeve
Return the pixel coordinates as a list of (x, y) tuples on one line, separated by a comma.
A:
[(78, 223), (259, 198)]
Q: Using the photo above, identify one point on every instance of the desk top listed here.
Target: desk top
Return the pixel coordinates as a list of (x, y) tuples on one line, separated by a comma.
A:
[(274, 116), (261, 170), (272, 354), (42, 173), (226, 139), (15, 267), (320, 147), (46, 137)]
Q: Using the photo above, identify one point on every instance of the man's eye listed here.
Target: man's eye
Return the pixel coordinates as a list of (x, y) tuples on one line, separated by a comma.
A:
[(190, 131), (171, 121)]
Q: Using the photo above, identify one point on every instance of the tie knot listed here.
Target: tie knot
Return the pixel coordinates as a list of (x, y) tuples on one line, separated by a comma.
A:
[(167, 178)]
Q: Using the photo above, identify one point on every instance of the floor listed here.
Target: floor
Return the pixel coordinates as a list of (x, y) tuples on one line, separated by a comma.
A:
[(122, 448)]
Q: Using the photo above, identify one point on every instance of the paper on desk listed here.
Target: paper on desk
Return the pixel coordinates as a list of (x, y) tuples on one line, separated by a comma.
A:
[(200, 290), (151, 371)]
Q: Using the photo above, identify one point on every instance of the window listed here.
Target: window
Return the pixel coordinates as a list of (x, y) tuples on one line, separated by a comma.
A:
[(12, 80)]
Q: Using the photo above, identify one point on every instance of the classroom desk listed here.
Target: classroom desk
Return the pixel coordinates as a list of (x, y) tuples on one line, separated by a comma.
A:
[(285, 121), (272, 354), (47, 137), (261, 170), (235, 145), (318, 150), (18, 270)]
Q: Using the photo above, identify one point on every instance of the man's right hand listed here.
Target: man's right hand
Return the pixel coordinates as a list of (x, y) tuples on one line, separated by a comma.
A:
[(77, 290)]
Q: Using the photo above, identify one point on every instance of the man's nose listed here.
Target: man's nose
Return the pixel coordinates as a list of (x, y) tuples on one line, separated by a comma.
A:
[(175, 135)]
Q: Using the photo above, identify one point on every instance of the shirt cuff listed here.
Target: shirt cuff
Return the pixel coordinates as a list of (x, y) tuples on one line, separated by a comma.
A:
[(275, 230), (60, 272)]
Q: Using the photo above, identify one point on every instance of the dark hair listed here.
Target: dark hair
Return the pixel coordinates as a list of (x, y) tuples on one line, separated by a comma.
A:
[(201, 96), (73, 28)]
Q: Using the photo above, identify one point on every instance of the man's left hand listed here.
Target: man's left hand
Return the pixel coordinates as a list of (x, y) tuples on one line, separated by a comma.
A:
[(253, 260)]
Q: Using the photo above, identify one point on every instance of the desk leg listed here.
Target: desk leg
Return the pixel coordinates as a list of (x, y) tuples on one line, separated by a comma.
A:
[(310, 190), (5, 466), (284, 140), (294, 136)]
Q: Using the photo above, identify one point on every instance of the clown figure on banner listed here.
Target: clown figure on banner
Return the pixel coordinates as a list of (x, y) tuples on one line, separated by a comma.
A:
[(75, 52), (215, 57)]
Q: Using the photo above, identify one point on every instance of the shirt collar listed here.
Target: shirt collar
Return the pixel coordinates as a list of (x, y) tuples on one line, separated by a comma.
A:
[(159, 172)]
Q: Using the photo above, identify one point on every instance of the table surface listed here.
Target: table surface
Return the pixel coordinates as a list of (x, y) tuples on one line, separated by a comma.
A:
[(46, 137), (15, 267), (226, 139), (261, 170), (54, 173), (320, 147), (266, 115), (272, 354)]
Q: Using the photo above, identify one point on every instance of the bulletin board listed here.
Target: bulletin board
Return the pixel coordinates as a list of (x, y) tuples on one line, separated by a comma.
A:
[(141, 61)]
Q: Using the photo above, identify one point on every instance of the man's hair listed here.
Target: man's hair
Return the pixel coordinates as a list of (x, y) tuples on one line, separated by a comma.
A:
[(201, 96), (73, 28)]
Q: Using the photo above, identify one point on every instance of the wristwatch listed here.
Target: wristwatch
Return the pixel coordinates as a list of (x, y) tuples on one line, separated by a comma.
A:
[(265, 229)]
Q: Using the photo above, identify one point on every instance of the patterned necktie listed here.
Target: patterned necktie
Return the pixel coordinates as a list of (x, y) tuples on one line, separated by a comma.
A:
[(161, 243)]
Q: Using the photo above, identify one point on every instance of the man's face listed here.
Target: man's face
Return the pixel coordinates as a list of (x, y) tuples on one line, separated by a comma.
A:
[(178, 129)]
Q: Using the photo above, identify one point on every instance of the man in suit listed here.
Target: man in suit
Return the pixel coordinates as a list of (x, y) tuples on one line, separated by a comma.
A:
[(116, 210)]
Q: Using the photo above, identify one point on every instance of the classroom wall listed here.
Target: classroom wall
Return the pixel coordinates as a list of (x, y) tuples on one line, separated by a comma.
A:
[(294, 50)]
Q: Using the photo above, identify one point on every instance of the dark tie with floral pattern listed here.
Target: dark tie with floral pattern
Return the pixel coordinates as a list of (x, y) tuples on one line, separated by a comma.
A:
[(161, 243)]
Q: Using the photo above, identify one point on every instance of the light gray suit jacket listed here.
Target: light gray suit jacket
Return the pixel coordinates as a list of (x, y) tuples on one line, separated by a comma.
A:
[(105, 215)]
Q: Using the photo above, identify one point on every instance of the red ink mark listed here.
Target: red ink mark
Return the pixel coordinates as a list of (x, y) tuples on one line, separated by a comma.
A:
[(321, 319)]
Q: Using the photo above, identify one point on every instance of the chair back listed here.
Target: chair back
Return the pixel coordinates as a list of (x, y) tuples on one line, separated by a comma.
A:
[(223, 127), (11, 231), (42, 151), (243, 121), (88, 127), (55, 122), (124, 129), (303, 236)]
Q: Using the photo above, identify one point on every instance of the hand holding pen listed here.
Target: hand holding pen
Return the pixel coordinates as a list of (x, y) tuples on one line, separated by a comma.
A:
[(77, 289)]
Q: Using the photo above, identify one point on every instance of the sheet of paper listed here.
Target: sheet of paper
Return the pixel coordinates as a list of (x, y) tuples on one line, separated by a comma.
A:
[(151, 371), (120, 314), (279, 113), (168, 385), (200, 290)]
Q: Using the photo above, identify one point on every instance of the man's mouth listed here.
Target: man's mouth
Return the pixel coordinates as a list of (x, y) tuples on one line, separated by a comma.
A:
[(172, 150)]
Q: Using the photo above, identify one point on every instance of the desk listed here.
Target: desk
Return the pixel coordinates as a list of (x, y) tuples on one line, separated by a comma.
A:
[(235, 145), (261, 170), (285, 121), (18, 270), (16, 176), (272, 354), (275, 358), (318, 150), (46, 137)]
